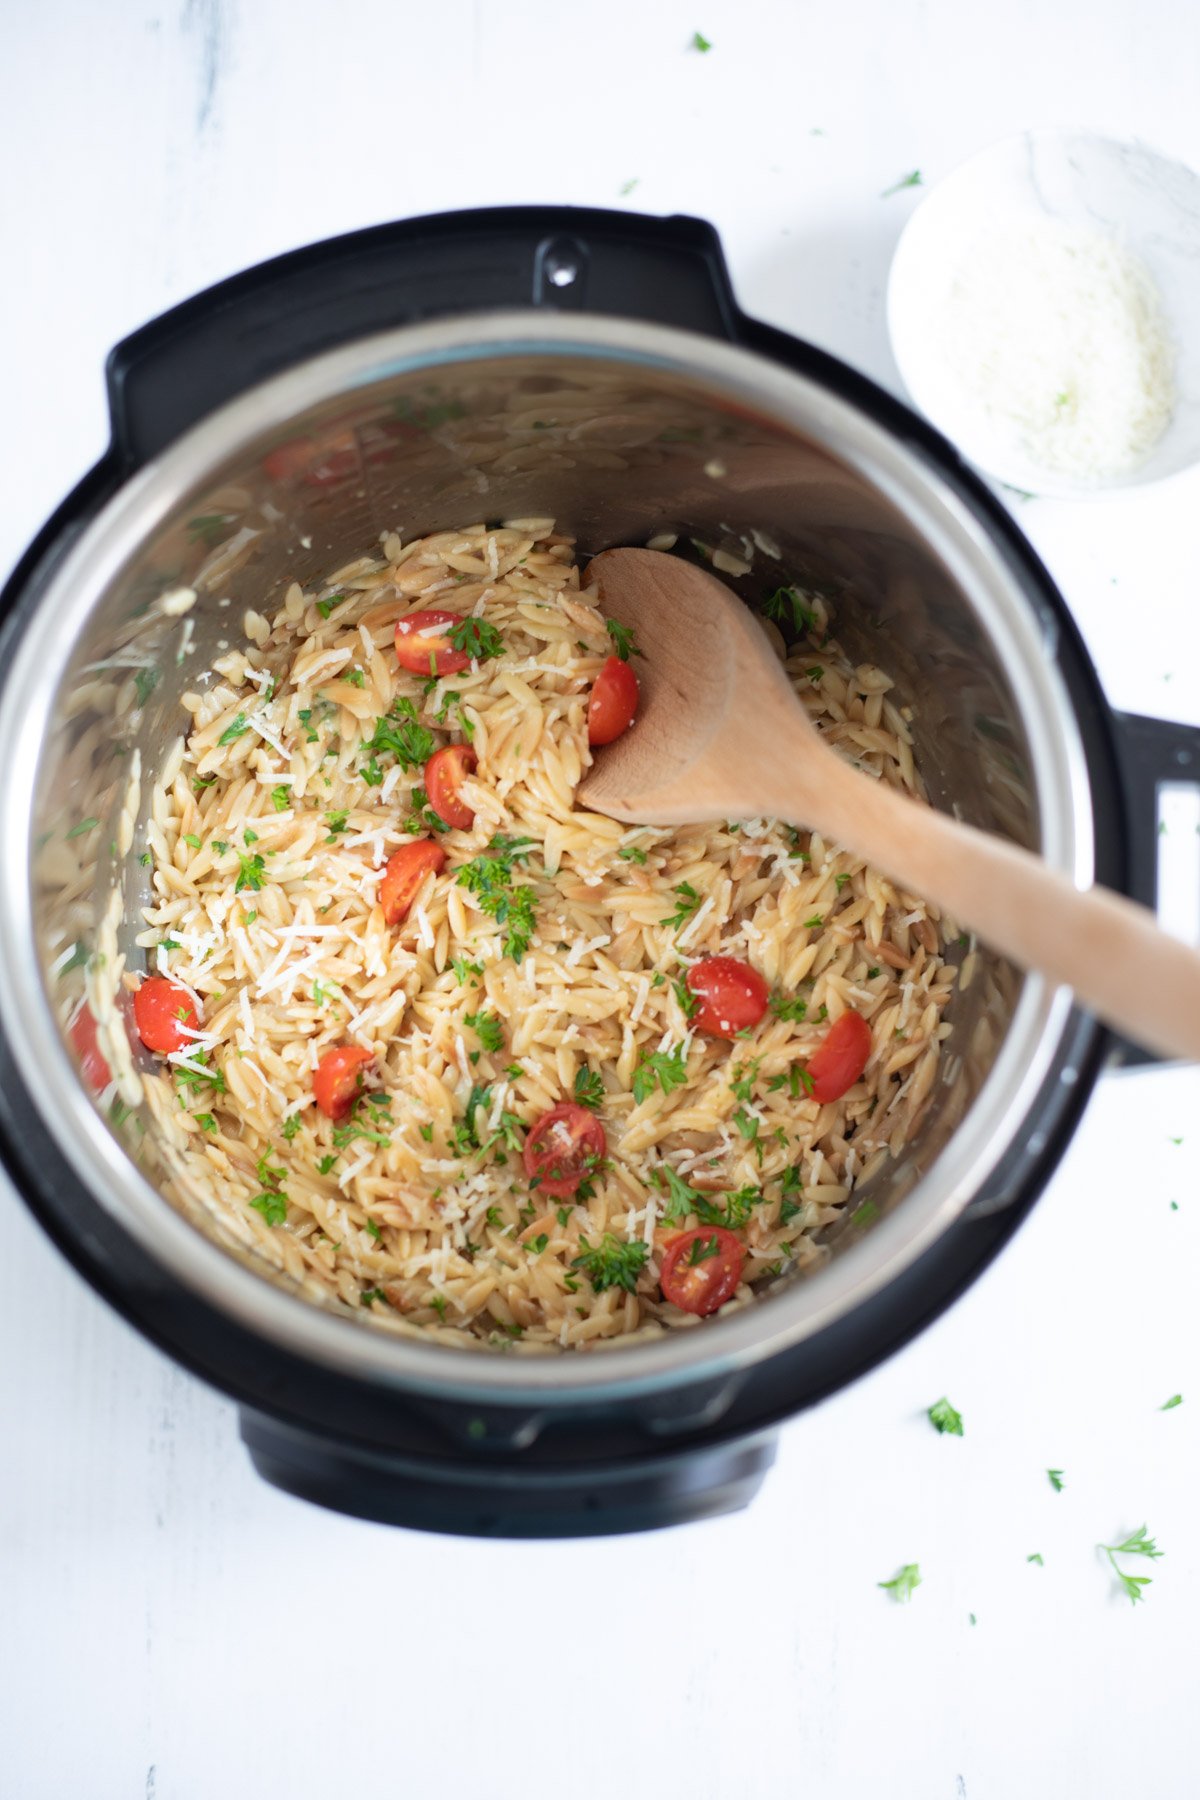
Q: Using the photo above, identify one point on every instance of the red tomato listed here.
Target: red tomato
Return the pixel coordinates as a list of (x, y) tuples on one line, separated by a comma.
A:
[(701, 1268), (160, 1007), (405, 872), (423, 647), (96, 1071), (841, 1059), (614, 700), (445, 773), (732, 995), (337, 1079), (563, 1148)]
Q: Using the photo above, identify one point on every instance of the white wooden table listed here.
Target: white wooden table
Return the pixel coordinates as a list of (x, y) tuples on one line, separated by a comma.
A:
[(168, 1626)]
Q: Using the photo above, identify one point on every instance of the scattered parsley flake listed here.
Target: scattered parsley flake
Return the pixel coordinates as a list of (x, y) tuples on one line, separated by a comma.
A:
[(238, 729), (83, 826), (145, 681), (787, 603), (1175, 1400), (632, 853), (1037, 1558), (904, 1584), (252, 872), (1056, 1479), (487, 1029), (701, 43), (281, 798), (792, 1010), (944, 1418), (911, 180)]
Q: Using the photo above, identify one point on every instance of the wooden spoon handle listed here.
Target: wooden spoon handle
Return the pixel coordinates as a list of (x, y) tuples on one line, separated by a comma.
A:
[(1113, 954)]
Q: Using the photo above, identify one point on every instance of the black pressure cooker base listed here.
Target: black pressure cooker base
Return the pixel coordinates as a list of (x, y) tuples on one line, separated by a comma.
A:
[(469, 1498)]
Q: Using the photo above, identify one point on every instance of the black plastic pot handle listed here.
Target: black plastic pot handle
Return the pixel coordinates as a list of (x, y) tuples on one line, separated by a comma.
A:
[(1152, 753), (168, 375)]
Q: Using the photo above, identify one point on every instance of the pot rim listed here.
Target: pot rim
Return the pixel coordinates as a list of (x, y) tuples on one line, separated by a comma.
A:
[(1022, 634)]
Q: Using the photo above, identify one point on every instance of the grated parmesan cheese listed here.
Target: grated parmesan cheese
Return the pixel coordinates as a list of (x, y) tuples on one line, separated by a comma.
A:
[(1055, 335)]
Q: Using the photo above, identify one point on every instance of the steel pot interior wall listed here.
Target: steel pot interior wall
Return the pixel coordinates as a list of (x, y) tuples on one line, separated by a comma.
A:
[(619, 447)]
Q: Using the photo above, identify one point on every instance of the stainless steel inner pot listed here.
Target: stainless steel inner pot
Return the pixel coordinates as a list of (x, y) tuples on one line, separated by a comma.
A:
[(620, 431)]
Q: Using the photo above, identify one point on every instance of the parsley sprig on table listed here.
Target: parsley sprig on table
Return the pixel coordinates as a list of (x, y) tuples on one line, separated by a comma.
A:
[(904, 1583), (1136, 1544), (611, 1263), (944, 1418)]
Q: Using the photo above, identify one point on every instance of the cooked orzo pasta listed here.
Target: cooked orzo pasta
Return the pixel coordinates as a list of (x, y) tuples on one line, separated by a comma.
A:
[(367, 1015)]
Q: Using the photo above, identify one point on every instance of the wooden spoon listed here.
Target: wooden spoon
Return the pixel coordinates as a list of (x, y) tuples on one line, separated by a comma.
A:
[(721, 735)]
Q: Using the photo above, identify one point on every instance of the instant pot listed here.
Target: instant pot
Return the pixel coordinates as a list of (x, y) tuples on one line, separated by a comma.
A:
[(477, 366)]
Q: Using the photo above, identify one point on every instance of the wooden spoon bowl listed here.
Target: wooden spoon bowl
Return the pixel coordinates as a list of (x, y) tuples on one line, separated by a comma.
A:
[(721, 735)]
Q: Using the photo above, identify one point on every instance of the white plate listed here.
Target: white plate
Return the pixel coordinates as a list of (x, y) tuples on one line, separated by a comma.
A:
[(1148, 203)]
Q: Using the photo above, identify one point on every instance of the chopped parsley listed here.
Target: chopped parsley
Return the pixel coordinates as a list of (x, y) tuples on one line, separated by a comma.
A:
[(791, 1010), (422, 818), (787, 605), (354, 676), (536, 1245), (487, 1029), (206, 1122), (489, 876), (325, 1164), (1136, 1544), (400, 734), (192, 840), (252, 872), (624, 641), (904, 1584), (1175, 1400), (464, 970), (145, 681), (360, 1124), (610, 1263), (589, 1087), (281, 798), (271, 1202), (789, 1208), (632, 853), (475, 638), (200, 782), (746, 1123), (1056, 1479), (369, 1296), (703, 1248), (815, 923), (687, 900), (374, 1231), (238, 729), (1037, 1558), (291, 1126), (700, 42), (83, 826), (911, 180), (944, 1418), (664, 1069), (839, 882), (336, 821), (325, 607), (689, 1003), (190, 1080)]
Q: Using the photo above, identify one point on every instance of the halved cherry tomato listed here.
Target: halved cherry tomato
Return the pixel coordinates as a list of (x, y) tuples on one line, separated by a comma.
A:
[(423, 646), (732, 995), (160, 1007), (445, 773), (337, 1079), (96, 1071), (613, 702), (701, 1268), (841, 1059), (405, 872), (563, 1148)]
